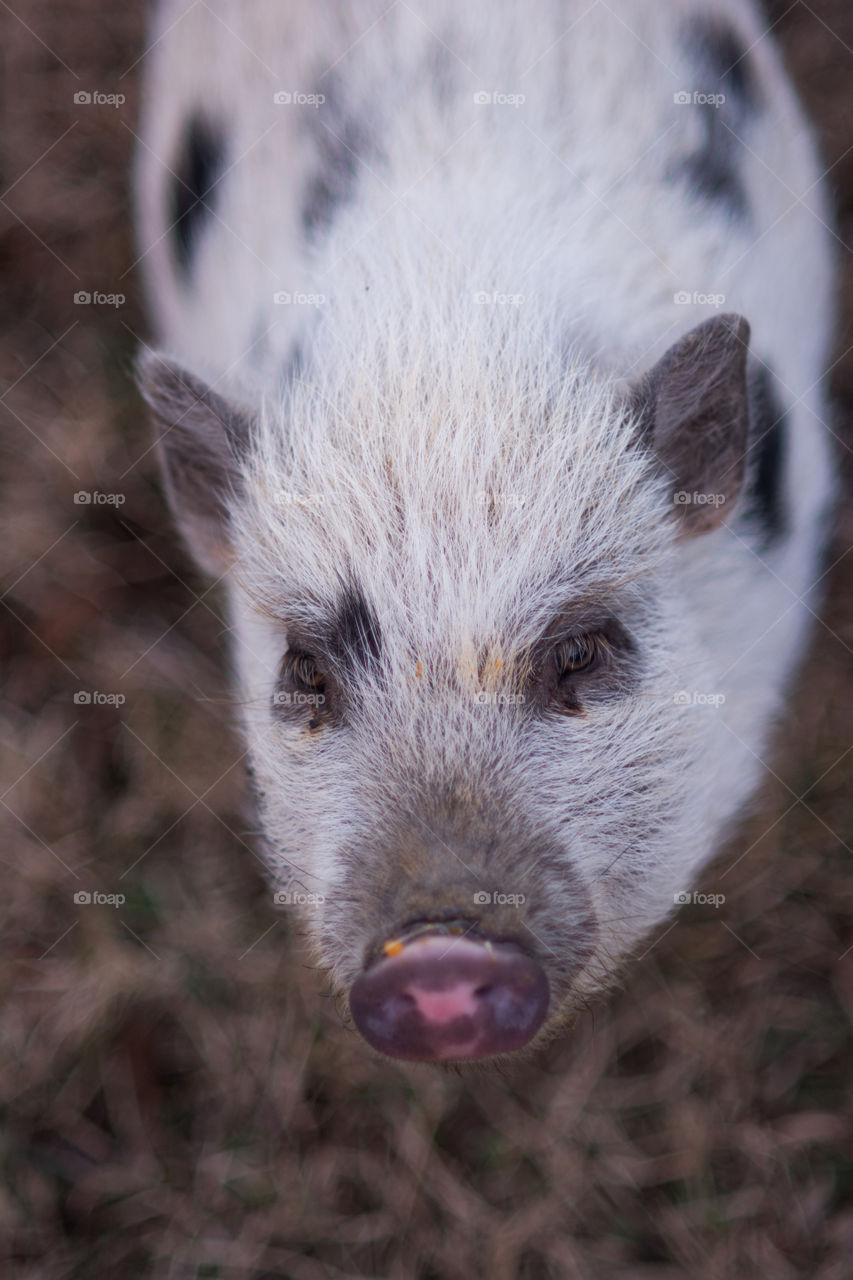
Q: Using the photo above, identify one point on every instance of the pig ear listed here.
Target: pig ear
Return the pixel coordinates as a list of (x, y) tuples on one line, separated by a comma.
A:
[(200, 439), (694, 411)]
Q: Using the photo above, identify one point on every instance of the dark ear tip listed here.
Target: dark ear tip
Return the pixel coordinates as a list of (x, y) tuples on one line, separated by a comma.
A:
[(167, 386)]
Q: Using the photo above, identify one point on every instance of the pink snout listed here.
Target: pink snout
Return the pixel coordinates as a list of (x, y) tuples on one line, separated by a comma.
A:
[(447, 997)]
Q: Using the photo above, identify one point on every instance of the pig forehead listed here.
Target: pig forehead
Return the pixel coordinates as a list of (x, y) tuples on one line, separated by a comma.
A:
[(459, 514), (494, 575)]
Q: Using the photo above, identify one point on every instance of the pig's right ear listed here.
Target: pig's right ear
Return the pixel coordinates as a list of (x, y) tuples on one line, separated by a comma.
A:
[(693, 407), (200, 439)]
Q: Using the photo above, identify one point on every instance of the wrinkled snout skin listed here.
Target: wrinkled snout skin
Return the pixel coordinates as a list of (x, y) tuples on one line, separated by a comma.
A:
[(489, 386)]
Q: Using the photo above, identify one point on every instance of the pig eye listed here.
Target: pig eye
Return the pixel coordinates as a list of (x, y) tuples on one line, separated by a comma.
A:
[(577, 653), (303, 670)]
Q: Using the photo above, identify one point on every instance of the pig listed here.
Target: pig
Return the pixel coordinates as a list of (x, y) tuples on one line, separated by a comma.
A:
[(488, 383)]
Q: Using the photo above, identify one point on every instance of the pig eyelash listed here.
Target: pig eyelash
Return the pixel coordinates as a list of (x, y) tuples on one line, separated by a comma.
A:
[(577, 654), (303, 670), (576, 657)]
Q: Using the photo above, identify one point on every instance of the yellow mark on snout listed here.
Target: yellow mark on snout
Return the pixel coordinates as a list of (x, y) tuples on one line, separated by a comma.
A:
[(482, 668), (467, 664), (393, 948), (491, 669), (479, 670)]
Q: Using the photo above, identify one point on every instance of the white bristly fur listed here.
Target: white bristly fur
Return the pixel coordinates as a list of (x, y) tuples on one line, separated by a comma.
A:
[(412, 397)]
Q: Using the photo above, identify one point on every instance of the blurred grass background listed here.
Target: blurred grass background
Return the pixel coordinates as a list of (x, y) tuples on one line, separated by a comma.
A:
[(178, 1096)]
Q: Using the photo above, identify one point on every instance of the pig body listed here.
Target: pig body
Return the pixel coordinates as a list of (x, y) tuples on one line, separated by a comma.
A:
[(519, 521)]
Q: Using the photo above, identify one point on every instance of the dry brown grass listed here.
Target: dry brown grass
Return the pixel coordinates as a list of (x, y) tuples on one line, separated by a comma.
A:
[(179, 1097)]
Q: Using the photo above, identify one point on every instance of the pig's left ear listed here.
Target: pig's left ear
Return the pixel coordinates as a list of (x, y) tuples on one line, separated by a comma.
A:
[(693, 407), (201, 437)]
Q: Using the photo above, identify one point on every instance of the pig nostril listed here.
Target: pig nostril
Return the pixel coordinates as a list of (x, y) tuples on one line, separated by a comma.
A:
[(484, 990)]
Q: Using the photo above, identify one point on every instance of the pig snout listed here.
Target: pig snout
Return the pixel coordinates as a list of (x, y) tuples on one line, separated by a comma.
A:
[(444, 997)]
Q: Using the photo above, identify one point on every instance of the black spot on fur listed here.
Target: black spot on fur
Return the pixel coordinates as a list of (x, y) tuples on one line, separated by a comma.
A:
[(355, 636), (765, 506), (710, 173), (197, 170), (720, 51), (721, 66), (340, 143)]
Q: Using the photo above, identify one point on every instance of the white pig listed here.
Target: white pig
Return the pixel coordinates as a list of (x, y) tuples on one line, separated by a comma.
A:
[(489, 384)]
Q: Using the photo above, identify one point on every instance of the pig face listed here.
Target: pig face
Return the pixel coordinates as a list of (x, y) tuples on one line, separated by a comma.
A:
[(459, 648)]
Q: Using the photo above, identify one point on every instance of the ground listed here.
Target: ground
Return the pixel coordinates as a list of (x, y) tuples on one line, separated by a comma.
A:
[(179, 1097)]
